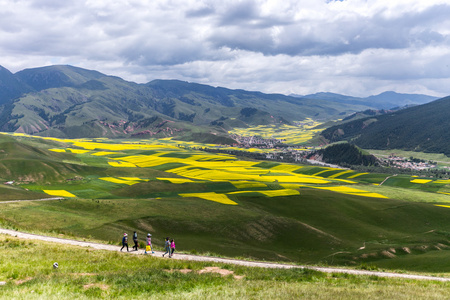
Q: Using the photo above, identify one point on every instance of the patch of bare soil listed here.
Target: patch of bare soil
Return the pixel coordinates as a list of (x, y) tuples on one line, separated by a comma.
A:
[(367, 255), (222, 272), (388, 254), (406, 249), (20, 281), (102, 286), (184, 271), (440, 246)]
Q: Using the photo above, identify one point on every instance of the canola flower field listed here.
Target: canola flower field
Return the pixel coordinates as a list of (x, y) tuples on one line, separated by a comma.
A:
[(299, 133), (183, 166)]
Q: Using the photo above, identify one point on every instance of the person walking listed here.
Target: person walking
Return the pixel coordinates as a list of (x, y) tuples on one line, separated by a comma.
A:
[(135, 240), (124, 241), (149, 247), (167, 246), (172, 247)]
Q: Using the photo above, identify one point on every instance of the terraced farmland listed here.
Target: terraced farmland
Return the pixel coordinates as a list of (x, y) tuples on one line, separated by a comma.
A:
[(221, 204), (297, 134)]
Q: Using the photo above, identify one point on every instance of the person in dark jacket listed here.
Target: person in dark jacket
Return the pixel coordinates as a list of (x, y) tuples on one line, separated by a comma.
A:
[(124, 241), (135, 240)]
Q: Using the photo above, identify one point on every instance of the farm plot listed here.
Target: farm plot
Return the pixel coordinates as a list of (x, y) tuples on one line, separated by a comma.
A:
[(191, 167), (170, 162), (297, 134)]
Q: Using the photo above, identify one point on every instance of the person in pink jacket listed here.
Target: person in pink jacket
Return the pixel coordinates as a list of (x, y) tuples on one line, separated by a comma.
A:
[(149, 243), (172, 247)]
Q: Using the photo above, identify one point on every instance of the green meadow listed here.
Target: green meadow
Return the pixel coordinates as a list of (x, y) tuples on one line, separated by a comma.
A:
[(217, 204), (83, 273)]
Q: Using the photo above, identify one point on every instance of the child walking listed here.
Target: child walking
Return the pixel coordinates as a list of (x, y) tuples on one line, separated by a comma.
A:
[(167, 247), (124, 241), (172, 247), (149, 244)]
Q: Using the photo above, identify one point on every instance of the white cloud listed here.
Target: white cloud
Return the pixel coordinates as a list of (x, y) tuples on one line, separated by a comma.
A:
[(355, 47)]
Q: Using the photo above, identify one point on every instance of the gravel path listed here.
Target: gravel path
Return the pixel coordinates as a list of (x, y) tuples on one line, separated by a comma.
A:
[(44, 199), (24, 235)]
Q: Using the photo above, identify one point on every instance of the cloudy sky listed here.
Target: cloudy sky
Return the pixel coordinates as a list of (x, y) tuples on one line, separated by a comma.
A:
[(352, 47)]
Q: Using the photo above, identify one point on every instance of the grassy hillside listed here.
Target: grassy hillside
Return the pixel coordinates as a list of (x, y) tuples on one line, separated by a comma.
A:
[(345, 154), (215, 203), (423, 128), (85, 274), (33, 162)]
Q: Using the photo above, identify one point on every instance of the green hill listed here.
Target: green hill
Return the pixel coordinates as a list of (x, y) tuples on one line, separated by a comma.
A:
[(281, 212), (424, 128), (344, 154)]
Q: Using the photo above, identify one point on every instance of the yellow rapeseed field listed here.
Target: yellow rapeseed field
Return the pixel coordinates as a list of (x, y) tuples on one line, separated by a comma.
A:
[(351, 191), (120, 180), (300, 133), (196, 166), (340, 174), (270, 193), (324, 171), (175, 180), (58, 150), (78, 151), (446, 206), (212, 196), (356, 175), (121, 164), (248, 184), (60, 193), (421, 181), (442, 181), (285, 167), (278, 193)]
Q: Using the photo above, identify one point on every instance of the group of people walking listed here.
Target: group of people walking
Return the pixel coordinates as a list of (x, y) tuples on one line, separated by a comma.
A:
[(169, 245)]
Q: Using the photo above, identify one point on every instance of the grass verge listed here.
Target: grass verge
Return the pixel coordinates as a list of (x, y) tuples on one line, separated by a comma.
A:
[(27, 272)]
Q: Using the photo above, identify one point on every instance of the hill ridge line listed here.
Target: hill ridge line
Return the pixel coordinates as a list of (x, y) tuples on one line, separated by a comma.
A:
[(259, 264)]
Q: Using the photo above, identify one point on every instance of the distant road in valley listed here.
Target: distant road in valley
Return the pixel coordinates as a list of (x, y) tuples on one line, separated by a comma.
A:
[(44, 199)]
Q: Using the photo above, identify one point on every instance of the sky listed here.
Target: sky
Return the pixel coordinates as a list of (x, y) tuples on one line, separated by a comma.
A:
[(351, 47)]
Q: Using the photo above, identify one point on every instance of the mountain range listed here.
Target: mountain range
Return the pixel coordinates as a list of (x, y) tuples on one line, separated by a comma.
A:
[(67, 101), (385, 100), (424, 128)]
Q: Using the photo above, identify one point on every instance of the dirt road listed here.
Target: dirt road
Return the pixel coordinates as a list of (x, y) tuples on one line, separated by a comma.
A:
[(34, 200), (98, 246)]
